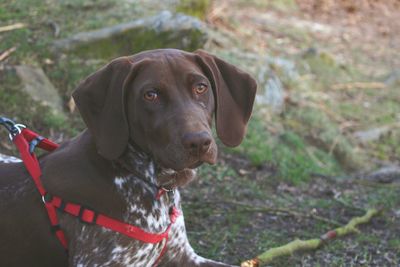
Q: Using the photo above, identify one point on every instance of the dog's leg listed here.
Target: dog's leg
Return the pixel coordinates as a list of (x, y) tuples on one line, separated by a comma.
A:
[(180, 253)]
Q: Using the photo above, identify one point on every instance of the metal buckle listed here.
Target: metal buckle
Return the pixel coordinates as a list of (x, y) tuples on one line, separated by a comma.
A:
[(15, 130), (46, 198), (12, 127), (6, 122)]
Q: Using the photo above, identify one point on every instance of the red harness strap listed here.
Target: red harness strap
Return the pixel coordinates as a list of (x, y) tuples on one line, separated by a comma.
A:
[(32, 165), (26, 142)]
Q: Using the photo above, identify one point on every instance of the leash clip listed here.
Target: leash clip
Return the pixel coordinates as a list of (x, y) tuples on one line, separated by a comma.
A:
[(47, 198), (16, 130), (12, 127)]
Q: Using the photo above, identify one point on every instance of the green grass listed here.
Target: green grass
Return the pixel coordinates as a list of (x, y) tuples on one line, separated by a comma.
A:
[(386, 148), (329, 71), (20, 107), (293, 157), (387, 197), (258, 143), (395, 244)]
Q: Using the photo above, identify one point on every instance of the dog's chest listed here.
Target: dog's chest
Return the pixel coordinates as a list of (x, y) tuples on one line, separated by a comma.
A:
[(97, 246), (142, 208)]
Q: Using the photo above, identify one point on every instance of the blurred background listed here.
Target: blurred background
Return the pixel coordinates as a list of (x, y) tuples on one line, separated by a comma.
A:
[(323, 144)]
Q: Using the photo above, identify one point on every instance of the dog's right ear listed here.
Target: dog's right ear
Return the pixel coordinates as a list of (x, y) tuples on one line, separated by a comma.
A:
[(234, 92), (100, 100)]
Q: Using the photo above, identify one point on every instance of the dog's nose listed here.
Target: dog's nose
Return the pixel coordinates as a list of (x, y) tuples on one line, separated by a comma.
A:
[(197, 142)]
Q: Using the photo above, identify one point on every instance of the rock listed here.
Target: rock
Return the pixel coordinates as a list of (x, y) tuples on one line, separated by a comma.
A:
[(393, 78), (273, 94), (271, 75), (36, 84), (287, 68), (372, 134), (388, 174), (163, 30)]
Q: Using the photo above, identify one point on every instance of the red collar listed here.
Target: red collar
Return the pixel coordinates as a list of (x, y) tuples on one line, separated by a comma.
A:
[(26, 141)]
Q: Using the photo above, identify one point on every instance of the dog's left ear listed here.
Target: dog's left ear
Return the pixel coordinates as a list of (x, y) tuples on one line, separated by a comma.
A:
[(234, 91), (100, 100)]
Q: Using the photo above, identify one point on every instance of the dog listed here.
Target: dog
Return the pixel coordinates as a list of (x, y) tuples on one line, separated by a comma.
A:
[(149, 119)]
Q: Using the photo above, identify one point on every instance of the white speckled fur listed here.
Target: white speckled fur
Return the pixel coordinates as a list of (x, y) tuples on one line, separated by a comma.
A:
[(113, 249), (8, 159)]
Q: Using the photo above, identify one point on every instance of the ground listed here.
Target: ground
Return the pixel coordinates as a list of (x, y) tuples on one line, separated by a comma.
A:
[(301, 169)]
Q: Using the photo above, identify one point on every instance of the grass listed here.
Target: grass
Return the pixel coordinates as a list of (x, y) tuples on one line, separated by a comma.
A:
[(229, 227), (293, 157)]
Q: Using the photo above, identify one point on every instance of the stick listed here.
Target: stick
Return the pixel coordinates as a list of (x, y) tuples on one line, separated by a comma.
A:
[(358, 85), (311, 244), (12, 27), (7, 53)]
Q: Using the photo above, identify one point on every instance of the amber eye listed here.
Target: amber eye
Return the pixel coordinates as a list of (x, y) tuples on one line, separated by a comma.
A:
[(200, 88), (150, 95)]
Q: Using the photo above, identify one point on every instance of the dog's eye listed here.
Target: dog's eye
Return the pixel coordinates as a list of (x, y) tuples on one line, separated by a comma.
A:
[(150, 95), (200, 88)]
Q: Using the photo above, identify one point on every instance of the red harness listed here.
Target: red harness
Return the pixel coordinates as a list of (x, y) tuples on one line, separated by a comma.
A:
[(26, 141)]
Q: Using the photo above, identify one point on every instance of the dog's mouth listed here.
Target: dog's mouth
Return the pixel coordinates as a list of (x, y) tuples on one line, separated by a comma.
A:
[(181, 160), (188, 166), (169, 178), (196, 162)]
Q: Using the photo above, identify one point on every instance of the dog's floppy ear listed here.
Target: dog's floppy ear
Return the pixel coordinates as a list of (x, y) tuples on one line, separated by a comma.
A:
[(100, 100), (234, 91)]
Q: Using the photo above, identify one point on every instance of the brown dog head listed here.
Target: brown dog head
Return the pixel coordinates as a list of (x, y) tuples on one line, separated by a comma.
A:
[(163, 101)]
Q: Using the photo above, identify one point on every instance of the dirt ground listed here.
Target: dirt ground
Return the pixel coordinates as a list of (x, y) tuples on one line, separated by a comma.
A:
[(239, 216)]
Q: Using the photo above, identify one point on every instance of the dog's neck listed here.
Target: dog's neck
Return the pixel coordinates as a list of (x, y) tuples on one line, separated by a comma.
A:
[(141, 165), (138, 163)]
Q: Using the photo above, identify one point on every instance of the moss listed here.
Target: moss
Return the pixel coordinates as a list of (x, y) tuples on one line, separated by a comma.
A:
[(132, 42), (195, 8)]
